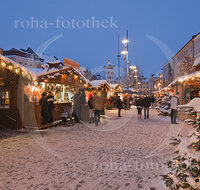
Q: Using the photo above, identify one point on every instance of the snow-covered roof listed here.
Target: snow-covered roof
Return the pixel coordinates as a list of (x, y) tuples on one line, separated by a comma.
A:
[(84, 78), (185, 77), (48, 58), (113, 85), (40, 71), (17, 65), (54, 62), (97, 83)]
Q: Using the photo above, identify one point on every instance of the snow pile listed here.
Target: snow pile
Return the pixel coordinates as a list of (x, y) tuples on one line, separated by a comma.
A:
[(195, 103)]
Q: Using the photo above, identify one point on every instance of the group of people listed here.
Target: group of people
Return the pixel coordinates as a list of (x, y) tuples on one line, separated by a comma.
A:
[(47, 107), (144, 102)]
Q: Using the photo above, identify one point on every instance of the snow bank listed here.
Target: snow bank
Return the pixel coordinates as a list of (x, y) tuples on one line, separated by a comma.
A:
[(194, 103)]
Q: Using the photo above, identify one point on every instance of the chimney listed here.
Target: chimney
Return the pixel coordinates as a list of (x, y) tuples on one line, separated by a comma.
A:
[(1, 51)]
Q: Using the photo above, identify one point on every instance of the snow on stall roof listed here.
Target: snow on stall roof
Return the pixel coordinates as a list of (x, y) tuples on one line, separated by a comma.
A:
[(48, 58), (54, 62), (97, 83), (40, 71), (17, 65), (113, 85), (84, 78), (195, 74)]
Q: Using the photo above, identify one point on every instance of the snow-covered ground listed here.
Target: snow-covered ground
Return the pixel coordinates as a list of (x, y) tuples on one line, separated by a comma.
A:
[(121, 153)]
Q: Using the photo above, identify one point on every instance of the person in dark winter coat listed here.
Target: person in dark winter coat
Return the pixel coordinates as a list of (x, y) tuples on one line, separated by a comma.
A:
[(98, 103), (44, 108), (152, 100), (138, 104), (77, 107), (50, 100), (91, 112), (146, 102), (119, 106)]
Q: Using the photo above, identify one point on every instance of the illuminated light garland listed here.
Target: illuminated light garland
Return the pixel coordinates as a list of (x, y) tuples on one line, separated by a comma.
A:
[(3, 64), (17, 71)]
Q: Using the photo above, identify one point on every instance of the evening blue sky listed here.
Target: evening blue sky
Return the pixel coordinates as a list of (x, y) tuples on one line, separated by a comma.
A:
[(173, 22)]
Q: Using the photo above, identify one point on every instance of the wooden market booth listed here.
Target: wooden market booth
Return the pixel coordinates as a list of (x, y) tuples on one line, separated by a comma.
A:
[(21, 89), (63, 83), (13, 78)]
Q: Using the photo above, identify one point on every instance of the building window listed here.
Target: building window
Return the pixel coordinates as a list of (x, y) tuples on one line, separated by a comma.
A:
[(4, 99)]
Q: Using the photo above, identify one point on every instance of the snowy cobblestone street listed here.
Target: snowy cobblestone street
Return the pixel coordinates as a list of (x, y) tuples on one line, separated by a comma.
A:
[(121, 153)]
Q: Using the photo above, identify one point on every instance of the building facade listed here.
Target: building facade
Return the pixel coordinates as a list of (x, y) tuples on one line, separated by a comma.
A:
[(167, 69), (109, 73)]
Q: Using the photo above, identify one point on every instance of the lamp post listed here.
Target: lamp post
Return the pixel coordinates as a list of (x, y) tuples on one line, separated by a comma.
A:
[(125, 52), (135, 74)]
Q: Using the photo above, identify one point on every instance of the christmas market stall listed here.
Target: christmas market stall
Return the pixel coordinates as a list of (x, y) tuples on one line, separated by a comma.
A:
[(188, 87), (13, 79), (115, 90), (62, 81)]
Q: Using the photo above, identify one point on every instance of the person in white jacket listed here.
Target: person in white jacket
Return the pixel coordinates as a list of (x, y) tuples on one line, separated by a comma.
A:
[(174, 103)]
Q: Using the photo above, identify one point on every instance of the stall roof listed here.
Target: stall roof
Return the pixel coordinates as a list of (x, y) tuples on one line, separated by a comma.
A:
[(97, 83), (78, 71), (17, 65), (185, 77), (45, 71)]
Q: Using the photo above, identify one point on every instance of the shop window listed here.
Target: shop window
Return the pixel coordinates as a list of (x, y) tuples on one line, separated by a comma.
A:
[(4, 99)]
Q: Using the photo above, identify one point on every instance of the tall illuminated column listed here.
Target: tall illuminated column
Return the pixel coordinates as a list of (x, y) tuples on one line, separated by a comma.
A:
[(125, 52)]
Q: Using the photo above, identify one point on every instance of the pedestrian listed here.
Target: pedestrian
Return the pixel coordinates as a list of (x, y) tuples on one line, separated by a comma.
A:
[(119, 106), (138, 104), (174, 102), (146, 104), (152, 100), (77, 107), (50, 100), (125, 102), (91, 112), (44, 108), (98, 103)]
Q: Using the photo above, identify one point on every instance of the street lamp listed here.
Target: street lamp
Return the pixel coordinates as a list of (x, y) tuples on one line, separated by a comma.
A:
[(125, 52), (134, 71)]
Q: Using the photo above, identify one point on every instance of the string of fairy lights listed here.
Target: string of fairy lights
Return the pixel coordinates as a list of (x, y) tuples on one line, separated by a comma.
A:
[(18, 71), (191, 77)]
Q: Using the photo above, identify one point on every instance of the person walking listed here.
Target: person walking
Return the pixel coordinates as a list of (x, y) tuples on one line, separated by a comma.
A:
[(98, 103), (152, 100), (44, 108), (174, 102), (91, 113), (146, 102), (50, 100), (119, 106), (77, 107), (138, 104)]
